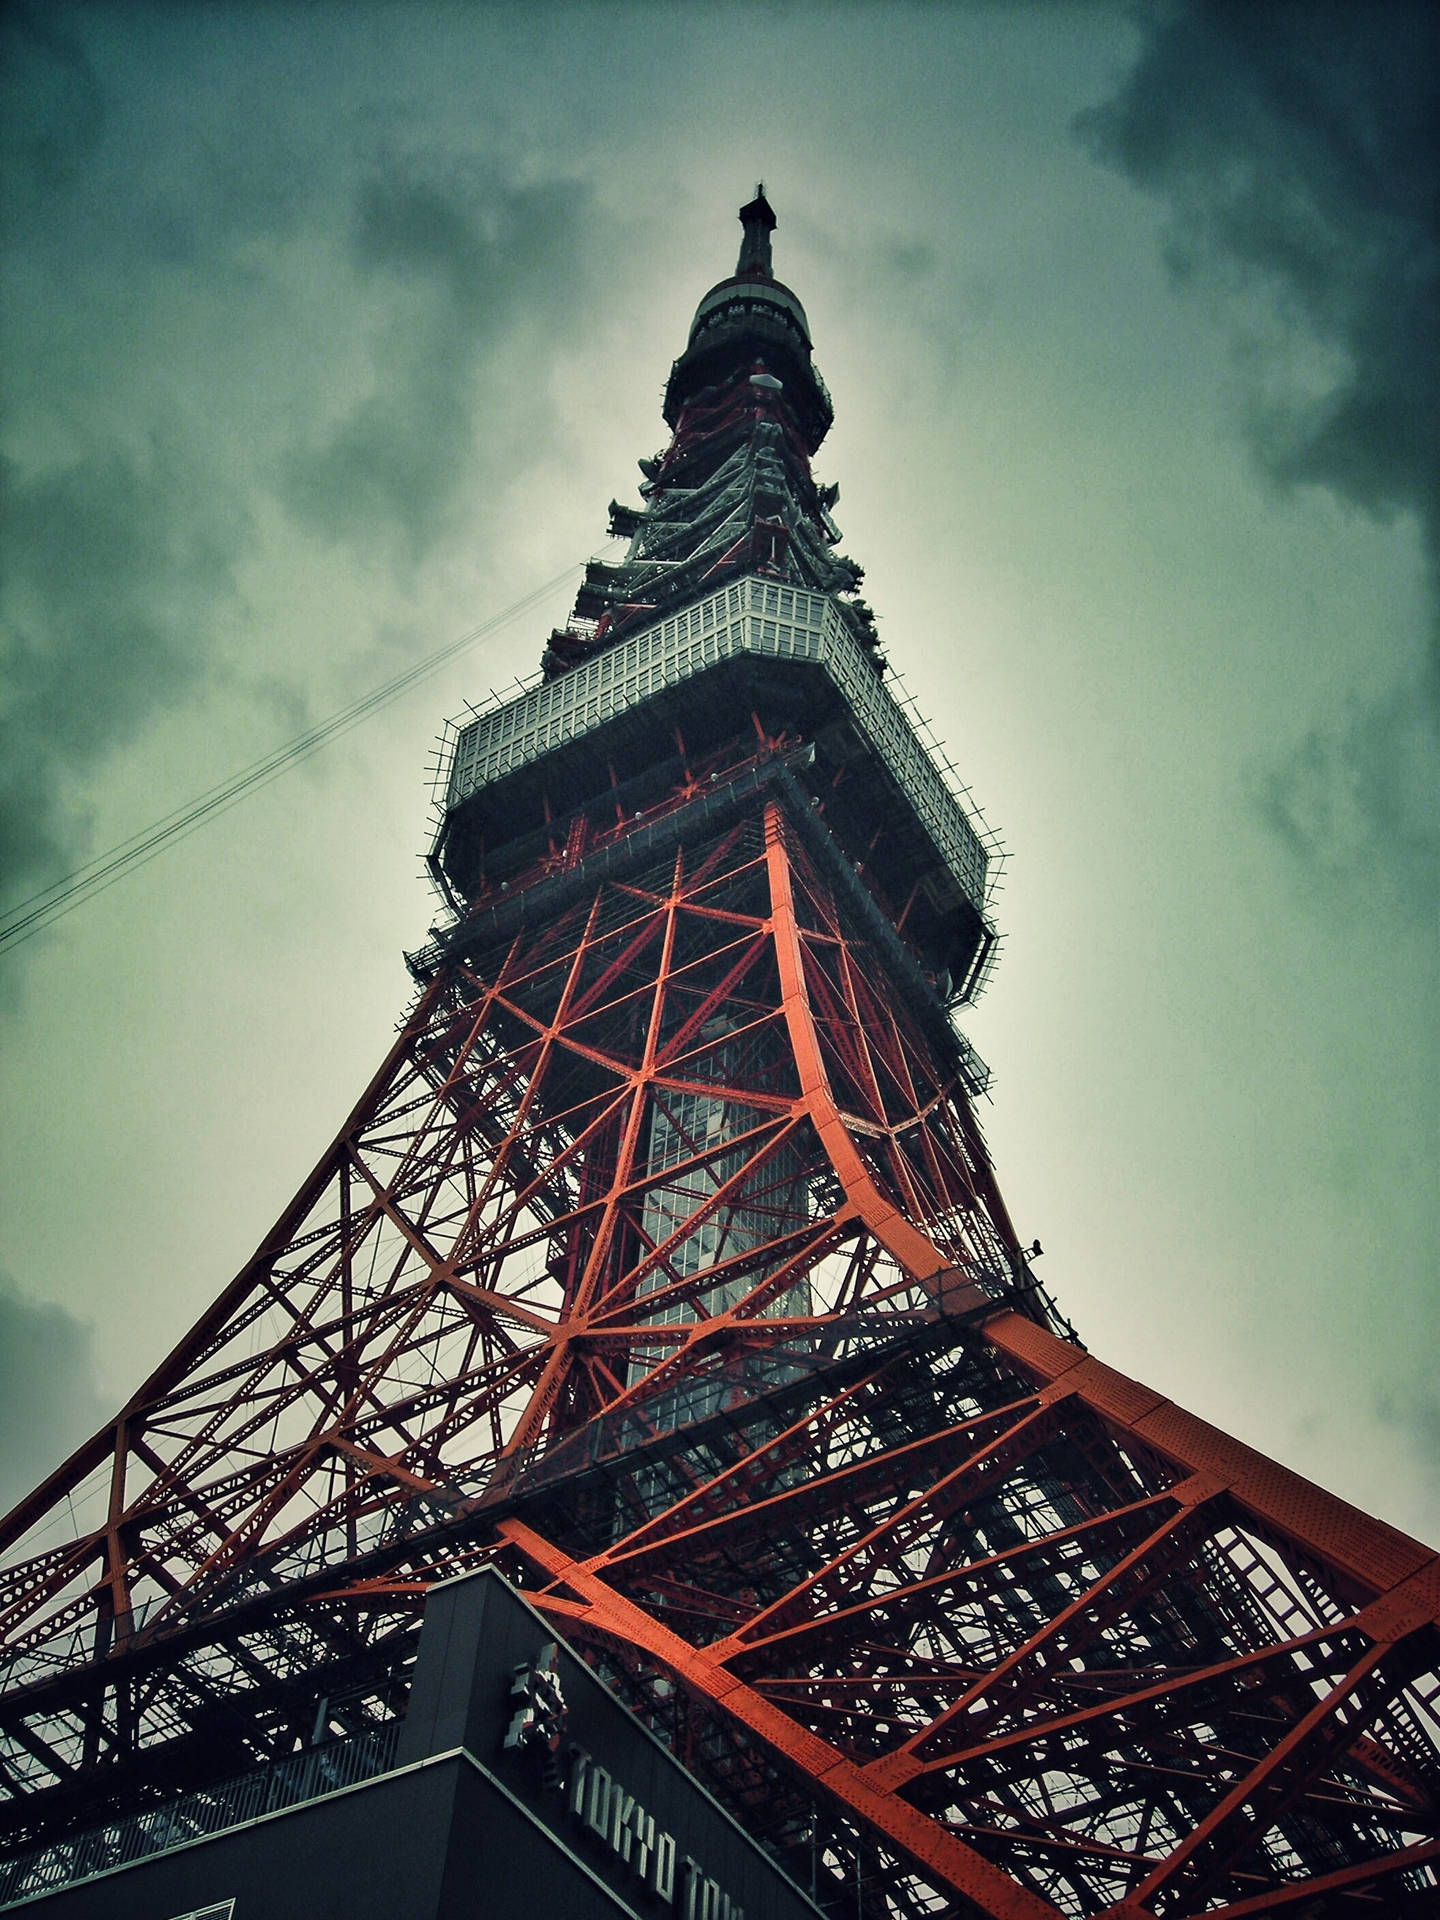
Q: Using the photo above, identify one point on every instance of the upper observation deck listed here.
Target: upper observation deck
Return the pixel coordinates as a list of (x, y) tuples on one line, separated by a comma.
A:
[(753, 652)]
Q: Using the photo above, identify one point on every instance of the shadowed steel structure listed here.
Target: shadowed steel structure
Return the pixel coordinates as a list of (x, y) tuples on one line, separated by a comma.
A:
[(662, 1266)]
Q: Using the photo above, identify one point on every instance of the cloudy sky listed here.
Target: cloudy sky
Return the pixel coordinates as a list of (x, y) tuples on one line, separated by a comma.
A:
[(328, 331)]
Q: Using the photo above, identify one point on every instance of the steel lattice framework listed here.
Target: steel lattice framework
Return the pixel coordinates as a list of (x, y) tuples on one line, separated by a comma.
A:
[(662, 1264)]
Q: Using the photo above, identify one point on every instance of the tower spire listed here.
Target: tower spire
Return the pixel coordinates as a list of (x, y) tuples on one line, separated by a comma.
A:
[(758, 220)]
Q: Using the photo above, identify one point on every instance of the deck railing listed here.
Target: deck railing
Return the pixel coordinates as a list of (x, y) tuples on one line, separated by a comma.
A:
[(749, 615), (191, 1816)]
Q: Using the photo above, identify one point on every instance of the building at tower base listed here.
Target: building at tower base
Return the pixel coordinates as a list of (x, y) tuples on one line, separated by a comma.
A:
[(474, 1807)]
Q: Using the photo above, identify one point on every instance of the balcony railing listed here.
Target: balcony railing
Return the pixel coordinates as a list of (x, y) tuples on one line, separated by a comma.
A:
[(191, 1816), (750, 615)]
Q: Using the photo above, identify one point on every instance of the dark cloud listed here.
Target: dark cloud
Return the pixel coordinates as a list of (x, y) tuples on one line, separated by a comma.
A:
[(110, 566), (235, 323), (51, 107), (910, 259), (465, 257), (1297, 148), (50, 1399)]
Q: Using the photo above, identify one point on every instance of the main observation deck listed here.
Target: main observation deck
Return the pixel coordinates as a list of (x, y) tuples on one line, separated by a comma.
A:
[(686, 684)]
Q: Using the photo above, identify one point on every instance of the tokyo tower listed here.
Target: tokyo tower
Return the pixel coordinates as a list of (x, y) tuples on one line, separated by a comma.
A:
[(662, 1268)]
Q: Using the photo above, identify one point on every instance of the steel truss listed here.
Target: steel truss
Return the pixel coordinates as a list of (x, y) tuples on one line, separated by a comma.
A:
[(662, 1263)]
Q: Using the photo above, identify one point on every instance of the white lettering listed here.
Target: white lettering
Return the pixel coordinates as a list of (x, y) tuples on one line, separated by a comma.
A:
[(605, 1809), (597, 1810), (662, 1874), (644, 1824), (622, 1812), (690, 1884)]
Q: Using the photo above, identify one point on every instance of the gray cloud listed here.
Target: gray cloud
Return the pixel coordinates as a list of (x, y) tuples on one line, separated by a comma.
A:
[(235, 325), (50, 1399), (52, 104), (1412, 1408), (463, 256), (1345, 795), (1295, 145), (109, 562)]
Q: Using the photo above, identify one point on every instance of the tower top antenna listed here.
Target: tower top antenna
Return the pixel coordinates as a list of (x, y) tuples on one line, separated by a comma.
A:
[(758, 220)]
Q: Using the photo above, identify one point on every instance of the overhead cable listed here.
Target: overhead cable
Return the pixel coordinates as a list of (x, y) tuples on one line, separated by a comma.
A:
[(62, 896)]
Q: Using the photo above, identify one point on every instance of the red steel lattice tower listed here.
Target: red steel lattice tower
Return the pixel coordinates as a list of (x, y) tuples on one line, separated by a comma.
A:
[(662, 1265)]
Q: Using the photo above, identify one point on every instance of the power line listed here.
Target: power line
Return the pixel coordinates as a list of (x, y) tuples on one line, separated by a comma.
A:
[(138, 849)]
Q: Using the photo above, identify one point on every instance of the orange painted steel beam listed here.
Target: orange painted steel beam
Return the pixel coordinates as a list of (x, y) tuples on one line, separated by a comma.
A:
[(1380, 1560), (932, 1849), (909, 1246)]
